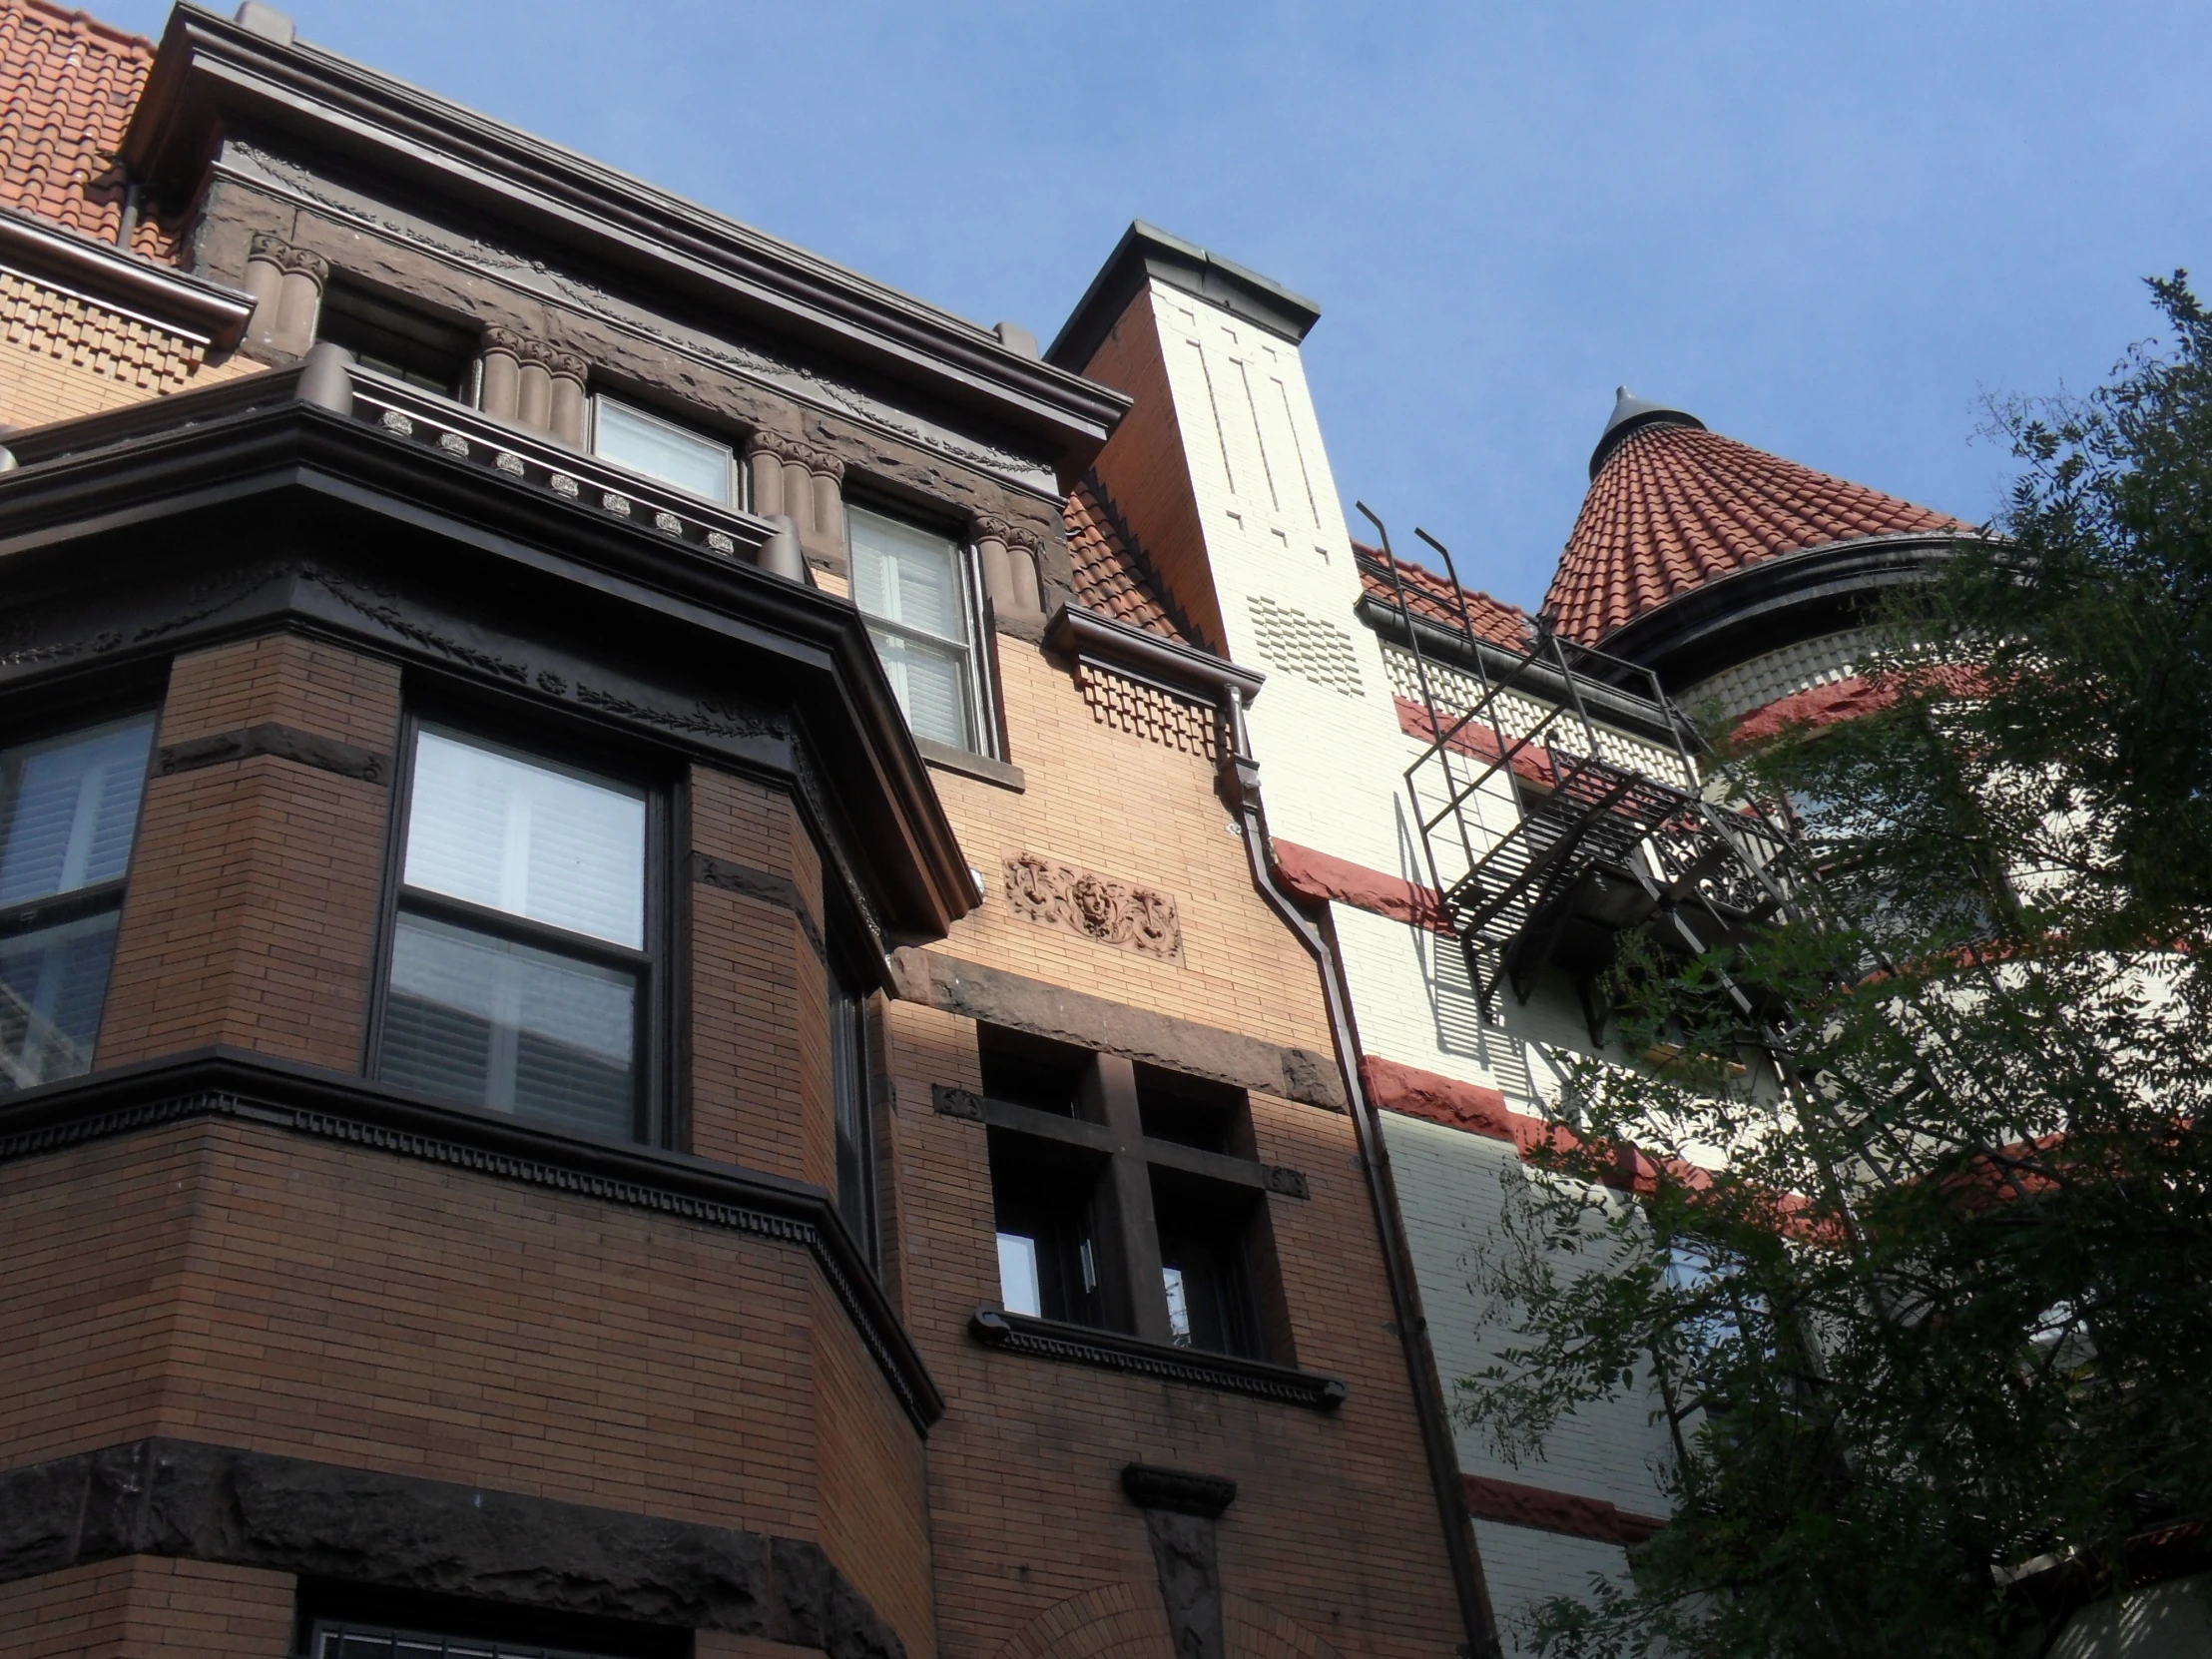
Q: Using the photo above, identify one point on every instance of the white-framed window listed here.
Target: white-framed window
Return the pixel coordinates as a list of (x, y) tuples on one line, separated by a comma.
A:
[(916, 587), (69, 809), (660, 449)]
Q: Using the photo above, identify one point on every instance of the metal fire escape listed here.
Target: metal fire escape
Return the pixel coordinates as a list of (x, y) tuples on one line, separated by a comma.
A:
[(1549, 838)]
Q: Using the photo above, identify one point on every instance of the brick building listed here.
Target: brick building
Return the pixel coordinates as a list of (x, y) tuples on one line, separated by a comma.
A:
[(643, 1008)]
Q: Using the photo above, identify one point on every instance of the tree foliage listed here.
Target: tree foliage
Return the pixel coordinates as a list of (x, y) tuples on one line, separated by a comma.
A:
[(1930, 1340)]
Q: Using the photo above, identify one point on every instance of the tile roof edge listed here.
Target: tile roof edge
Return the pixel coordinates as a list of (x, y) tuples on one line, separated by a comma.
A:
[(1186, 633), (82, 21)]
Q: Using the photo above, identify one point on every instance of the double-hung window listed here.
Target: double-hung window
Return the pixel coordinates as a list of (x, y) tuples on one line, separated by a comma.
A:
[(916, 591), (645, 443), (523, 945), (69, 809)]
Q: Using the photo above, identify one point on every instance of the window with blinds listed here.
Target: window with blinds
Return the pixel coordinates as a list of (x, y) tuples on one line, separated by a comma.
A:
[(520, 957), (913, 587), (68, 807)]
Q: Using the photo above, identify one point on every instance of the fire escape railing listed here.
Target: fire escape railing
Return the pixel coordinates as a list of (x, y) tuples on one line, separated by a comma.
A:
[(1544, 840)]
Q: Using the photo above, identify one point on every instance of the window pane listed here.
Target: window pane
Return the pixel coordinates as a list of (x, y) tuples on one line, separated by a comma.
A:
[(849, 1085), (1179, 1307), (492, 1023), (67, 809), (931, 682), (906, 575), (52, 984), (529, 838), (1017, 1275), (662, 451)]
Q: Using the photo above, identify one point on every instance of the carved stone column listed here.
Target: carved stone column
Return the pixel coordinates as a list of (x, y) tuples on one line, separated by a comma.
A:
[(534, 399), (286, 284), (766, 467), (1007, 554), (501, 376), (805, 483), (570, 407), (1023, 549)]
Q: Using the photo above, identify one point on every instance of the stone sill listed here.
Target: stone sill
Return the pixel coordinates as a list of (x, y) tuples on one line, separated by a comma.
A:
[(946, 758), (1112, 1351)]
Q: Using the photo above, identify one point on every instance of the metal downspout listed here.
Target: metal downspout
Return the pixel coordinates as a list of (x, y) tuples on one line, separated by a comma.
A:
[(1241, 784)]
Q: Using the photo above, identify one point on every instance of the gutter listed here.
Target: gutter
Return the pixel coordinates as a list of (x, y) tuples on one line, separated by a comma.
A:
[(116, 280), (1240, 785)]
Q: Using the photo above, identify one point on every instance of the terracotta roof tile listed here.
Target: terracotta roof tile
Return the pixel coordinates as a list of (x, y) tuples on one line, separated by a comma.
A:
[(1675, 506), (1112, 575), (1430, 596), (68, 84)]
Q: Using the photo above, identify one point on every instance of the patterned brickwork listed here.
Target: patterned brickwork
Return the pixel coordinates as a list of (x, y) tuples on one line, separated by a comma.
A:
[(1147, 711), (62, 356)]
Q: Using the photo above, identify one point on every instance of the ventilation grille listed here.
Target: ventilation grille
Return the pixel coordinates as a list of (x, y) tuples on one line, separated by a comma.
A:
[(1306, 645)]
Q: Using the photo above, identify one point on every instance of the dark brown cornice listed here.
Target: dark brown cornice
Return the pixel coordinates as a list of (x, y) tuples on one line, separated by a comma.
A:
[(244, 1087), (211, 75), (1167, 663), (176, 301), (1144, 254), (222, 470)]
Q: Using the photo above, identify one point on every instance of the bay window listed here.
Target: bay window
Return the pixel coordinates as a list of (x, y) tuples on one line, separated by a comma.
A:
[(522, 947), (68, 807)]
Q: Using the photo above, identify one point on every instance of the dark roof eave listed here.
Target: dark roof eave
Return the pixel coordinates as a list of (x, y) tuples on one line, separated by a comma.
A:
[(209, 69), (1733, 618), (221, 447)]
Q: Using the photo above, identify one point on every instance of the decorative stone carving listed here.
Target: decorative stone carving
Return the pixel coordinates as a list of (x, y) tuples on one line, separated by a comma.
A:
[(786, 447), (1113, 913)]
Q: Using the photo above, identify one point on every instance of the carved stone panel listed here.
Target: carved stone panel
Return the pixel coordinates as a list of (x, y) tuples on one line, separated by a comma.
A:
[(1097, 907)]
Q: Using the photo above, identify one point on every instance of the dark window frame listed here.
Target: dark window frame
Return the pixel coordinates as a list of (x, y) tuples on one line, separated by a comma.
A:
[(391, 329), (1131, 1169), (985, 707), (656, 1117), (47, 718)]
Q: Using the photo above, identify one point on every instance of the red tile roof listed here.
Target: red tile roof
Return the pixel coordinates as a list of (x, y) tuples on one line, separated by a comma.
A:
[(1675, 506), (67, 85), (1430, 596), (1112, 575)]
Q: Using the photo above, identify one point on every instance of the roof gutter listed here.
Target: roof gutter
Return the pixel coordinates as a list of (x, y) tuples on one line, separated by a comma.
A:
[(1240, 785), (174, 302)]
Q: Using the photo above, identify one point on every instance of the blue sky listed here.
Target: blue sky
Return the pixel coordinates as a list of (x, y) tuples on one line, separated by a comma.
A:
[(1827, 229)]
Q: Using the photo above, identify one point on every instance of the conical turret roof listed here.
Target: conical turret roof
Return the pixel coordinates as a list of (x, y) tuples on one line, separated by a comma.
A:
[(1672, 506)]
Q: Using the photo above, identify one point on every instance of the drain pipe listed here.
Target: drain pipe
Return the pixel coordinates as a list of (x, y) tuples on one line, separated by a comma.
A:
[(1240, 778)]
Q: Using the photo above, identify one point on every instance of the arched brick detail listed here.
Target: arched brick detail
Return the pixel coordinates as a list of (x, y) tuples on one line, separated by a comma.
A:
[(1127, 1621), (1253, 1631)]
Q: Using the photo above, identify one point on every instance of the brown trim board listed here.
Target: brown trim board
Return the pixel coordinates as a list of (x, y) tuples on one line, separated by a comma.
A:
[(999, 997)]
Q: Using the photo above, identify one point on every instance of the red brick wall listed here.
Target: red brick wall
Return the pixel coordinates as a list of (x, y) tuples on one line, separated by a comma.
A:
[(250, 916), (759, 1079), (293, 1295), (141, 1606), (874, 1495)]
